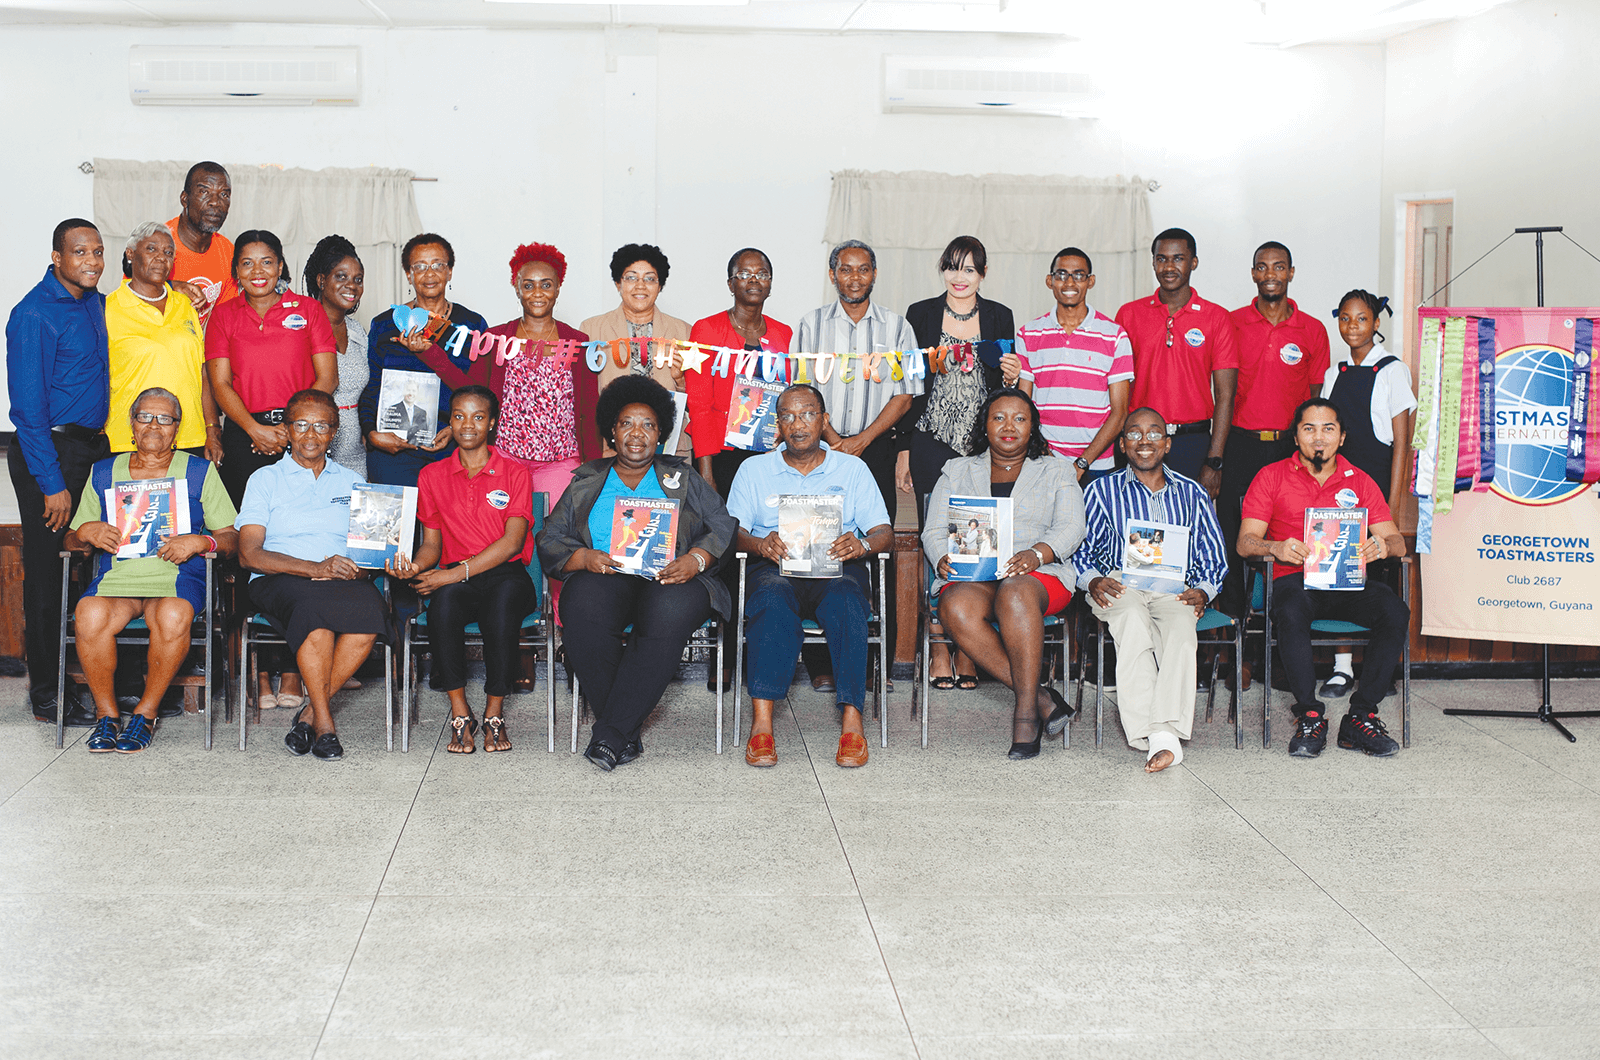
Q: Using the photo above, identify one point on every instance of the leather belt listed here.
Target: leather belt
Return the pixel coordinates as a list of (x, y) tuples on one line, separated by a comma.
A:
[(271, 417), (1265, 436), (1197, 427), (77, 431)]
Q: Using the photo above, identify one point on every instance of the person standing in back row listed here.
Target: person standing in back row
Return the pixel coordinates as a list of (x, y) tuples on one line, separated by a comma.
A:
[(1185, 361), (202, 262)]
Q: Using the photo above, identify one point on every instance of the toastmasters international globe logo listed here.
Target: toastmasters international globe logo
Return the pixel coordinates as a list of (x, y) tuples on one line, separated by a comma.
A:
[(1532, 398)]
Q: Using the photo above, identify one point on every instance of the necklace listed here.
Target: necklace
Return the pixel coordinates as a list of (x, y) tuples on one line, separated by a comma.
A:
[(1002, 467), (146, 297), (959, 316)]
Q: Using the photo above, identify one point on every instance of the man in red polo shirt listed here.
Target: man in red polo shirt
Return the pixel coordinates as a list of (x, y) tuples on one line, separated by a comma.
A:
[(1185, 361), (1316, 476), (1283, 356)]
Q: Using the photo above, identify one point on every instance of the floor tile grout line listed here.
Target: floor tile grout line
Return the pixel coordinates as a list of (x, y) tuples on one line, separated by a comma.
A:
[(58, 756), (1480, 729), (1353, 917), (866, 912), (378, 891)]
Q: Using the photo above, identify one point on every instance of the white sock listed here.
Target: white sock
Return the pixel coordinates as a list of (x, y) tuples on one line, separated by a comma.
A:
[(1342, 664), (1165, 741)]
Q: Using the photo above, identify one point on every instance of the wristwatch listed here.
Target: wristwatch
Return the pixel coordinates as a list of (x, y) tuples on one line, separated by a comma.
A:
[(1081, 464), (1214, 463)]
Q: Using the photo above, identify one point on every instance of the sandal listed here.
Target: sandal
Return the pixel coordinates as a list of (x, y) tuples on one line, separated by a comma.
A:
[(463, 730), (966, 682), (494, 734), (944, 683)]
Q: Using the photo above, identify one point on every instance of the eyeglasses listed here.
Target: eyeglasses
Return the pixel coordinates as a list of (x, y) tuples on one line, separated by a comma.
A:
[(649, 279), (302, 426), (804, 417), (422, 267), (155, 417), (1062, 276), (762, 276), (1144, 436)]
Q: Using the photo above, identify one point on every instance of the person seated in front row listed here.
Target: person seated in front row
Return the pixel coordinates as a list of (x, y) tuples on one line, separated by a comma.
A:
[(1010, 458), (294, 527), (599, 600), (775, 604), (166, 587), (1316, 476), (1154, 628), (475, 507)]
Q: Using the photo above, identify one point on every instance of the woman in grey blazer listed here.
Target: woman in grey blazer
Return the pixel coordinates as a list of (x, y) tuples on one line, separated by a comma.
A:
[(1011, 459)]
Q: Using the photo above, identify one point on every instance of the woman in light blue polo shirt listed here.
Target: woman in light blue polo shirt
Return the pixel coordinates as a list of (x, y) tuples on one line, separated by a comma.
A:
[(293, 528)]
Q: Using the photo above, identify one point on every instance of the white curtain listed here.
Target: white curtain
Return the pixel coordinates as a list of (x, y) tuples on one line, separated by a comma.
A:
[(908, 218), (373, 208)]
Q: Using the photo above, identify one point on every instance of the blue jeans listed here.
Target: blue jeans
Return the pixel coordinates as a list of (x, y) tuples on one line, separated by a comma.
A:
[(774, 607)]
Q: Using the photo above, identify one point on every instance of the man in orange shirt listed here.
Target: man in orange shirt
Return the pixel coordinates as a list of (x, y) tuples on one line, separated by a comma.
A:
[(202, 266)]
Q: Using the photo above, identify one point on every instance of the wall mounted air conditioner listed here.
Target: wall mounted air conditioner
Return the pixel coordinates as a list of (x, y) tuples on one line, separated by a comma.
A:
[(926, 84), (233, 76)]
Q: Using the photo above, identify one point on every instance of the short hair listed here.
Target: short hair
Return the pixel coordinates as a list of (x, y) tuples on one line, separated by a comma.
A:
[(157, 392), (329, 251), (629, 253), (143, 232), (255, 235), (1143, 408), (960, 247), (204, 167), (311, 397), (539, 252), (1174, 233), (423, 239), (741, 252), (1074, 252), (822, 402), (479, 391), (1314, 403), (1273, 244), (58, 238), (628, 390), (850, 244), (978, 440)]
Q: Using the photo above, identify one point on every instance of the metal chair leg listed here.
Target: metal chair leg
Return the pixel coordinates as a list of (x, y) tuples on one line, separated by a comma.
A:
[(719, 686)]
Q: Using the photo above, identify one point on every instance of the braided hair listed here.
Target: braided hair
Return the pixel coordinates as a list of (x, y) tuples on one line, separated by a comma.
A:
[(329, 251), (1374, 304)]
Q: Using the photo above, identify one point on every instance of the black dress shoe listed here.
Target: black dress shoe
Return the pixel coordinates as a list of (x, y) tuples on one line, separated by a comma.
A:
[(824, 683), (1022, 751), (1063, 713), (78, 715), (630, 751), (601, 755), (301, 735), (327, 747)]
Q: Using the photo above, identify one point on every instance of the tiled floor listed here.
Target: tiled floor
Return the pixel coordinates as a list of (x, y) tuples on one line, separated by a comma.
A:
[(940, 903)]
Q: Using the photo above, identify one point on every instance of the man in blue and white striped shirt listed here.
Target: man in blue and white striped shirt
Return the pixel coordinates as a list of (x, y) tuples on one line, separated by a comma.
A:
[(1151, 562)]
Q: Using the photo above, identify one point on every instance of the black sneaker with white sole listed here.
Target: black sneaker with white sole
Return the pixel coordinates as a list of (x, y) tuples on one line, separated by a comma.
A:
[(1310, 735), (1337, 687), (1365, 733)]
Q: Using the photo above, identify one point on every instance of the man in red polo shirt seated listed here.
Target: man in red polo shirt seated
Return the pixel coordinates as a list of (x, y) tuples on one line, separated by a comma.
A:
[(1185, 361), (1316, 476)]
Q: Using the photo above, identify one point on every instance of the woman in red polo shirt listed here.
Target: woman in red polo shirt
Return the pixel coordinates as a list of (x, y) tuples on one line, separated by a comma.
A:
[(475, 507), (260, 348)]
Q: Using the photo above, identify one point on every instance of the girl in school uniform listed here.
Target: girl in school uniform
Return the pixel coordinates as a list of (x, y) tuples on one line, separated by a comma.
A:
[(1372, 389)]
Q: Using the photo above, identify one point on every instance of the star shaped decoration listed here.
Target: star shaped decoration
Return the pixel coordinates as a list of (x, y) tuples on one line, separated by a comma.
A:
[(694, 357)]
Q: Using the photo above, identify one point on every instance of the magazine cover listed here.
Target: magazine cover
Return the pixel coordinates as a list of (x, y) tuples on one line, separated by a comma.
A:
[(1155, 556), (980, 537), (753, 415), (1333, 538), (644, 534), (809, 524), (383, 520), (146, 513), (408, 405)]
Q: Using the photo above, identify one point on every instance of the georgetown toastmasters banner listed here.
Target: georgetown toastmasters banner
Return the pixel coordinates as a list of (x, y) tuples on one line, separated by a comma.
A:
[(1506, 438)]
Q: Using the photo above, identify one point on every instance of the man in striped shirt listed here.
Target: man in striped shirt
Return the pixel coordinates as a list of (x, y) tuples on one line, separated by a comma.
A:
[(1154, 628), (1077, 365)]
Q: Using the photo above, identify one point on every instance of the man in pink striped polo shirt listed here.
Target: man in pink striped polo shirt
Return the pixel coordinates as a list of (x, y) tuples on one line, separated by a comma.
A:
[(1077, 364)]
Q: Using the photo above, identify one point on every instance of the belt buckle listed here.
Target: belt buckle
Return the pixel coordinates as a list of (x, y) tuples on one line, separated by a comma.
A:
[(274, 416), (1172, 429), (1268, 436)]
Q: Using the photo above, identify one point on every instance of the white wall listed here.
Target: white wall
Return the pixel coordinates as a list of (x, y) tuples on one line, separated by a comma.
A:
[(727, 139), (1500, 110)]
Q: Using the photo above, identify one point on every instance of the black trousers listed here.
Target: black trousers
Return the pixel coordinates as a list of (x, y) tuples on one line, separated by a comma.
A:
[(928, 457), (1294, 607), (239, 461), (1242, 460), (1188, 454), (41, 562), (497, 600), (880, 459), (625, 682)]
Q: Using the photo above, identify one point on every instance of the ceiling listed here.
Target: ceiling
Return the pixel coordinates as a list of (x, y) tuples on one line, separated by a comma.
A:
[(1280, 22)]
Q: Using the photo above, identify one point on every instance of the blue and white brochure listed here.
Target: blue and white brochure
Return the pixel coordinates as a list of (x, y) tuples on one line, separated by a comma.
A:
[(1155, 556), (979, 530), (383, 521)]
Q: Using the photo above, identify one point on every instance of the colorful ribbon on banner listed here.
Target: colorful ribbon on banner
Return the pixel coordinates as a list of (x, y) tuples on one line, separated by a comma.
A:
[(1583, 423), (1486, 362), (1467, 445), (1454, 349)]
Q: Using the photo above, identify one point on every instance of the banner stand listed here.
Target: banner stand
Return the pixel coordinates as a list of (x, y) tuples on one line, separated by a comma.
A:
[(1545, 714)]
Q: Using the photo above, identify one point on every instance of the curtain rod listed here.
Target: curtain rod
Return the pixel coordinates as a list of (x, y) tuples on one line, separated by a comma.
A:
[(88, 167)]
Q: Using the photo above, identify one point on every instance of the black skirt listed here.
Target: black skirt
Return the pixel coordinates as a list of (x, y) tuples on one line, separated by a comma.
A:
[(297, 606)]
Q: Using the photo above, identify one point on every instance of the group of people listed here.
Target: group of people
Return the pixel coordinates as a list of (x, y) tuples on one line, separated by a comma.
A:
[(262, 406)]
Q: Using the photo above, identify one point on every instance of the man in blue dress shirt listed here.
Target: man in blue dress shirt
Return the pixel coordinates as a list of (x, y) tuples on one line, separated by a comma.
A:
[(57, 369)]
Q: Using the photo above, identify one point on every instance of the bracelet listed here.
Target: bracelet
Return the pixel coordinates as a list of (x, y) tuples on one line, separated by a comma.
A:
[(699, 560), (211, 540), (1036, 552), (466, 568)]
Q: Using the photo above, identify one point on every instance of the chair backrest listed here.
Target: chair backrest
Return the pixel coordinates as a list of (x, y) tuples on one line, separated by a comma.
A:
[(541, 503)]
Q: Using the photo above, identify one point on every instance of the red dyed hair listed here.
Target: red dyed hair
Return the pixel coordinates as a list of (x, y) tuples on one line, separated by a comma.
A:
[(539, 252)]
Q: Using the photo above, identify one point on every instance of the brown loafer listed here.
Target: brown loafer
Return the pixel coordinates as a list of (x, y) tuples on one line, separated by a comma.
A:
[(761, 751), (852, 751)]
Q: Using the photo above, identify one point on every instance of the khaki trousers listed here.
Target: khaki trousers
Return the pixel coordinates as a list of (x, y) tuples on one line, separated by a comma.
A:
[(1155, 638)]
